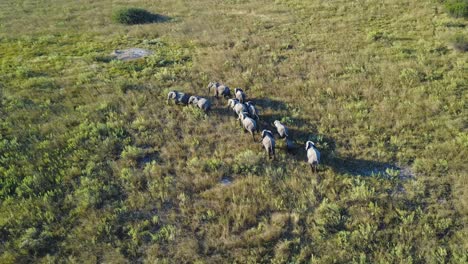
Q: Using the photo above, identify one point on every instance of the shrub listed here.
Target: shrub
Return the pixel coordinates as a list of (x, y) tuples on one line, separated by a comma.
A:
[(377, 35), (457, 8), (247, 162), (132, 153), (132, 16), (460, 42)]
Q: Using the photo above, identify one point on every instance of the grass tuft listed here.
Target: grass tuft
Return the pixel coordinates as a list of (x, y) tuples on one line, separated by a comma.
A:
[(457, 8), (460, 42)]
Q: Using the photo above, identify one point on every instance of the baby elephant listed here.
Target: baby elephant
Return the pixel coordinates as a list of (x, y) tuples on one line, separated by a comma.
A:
[(240, 95), (252, 110), (313, 156), (236, 106), (268, 142), (201, 102), (219, 89), (178, 97), (249, 124), (282, 129)]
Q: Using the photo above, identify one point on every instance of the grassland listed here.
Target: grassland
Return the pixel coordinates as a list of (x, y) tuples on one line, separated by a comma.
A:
[(96, 167)]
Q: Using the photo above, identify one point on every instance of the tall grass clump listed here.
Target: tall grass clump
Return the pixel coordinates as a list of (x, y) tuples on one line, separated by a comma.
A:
[(133, 16), (460, 42), (457, 8)]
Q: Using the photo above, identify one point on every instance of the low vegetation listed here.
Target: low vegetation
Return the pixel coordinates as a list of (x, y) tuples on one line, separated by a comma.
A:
[(460, 42), (457, 8), (95, 166)]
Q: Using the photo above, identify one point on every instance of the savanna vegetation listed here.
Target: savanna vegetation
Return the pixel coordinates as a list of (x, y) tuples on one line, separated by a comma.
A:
[(457, 8), (96, 167)]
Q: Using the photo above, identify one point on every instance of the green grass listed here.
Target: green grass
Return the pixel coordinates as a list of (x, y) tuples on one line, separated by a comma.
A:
[(457, 8), (96, 167)]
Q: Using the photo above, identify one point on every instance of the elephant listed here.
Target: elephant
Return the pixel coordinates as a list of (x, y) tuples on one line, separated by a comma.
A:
[(219, 89), (282, 129), (268, 142), (237, 107), (313, 156), (178, 97), (240, 95), (249, 124), (202, 103), (252, 110)]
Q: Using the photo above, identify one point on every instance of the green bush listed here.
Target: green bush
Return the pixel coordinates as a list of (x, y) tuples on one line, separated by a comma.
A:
[(132, 16), (457, 8), (460, 42)]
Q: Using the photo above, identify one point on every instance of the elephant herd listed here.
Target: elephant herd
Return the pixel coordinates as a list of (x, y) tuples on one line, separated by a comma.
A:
[(248, 115)]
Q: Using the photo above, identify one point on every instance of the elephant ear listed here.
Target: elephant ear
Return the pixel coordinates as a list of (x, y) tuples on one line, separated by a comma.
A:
[(228, 91), (310, 144), (191, 99)]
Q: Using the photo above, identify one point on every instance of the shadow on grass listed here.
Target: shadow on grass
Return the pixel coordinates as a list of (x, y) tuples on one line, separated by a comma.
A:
[(157, 18), (269, 103), (148, 158), (400, 39), (223, 110), (361, 167)]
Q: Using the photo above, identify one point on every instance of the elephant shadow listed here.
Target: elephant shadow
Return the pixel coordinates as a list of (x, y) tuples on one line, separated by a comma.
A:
[(366, 168)]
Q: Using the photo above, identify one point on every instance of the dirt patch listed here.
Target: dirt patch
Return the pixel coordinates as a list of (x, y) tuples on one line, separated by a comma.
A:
[(130, 54)]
